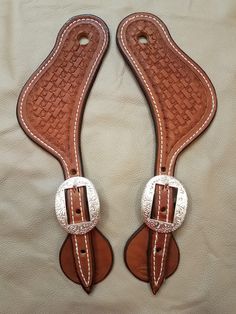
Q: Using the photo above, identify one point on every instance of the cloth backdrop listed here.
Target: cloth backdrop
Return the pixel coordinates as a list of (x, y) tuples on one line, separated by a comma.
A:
[(118, 147)]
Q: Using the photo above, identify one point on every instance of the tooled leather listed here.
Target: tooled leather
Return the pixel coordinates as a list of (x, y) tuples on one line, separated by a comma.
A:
[(183, 103), (50, 110), (50, 105), (180, 93)]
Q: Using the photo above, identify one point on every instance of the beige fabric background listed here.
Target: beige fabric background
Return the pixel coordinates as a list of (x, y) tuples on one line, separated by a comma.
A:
[(118, 148)]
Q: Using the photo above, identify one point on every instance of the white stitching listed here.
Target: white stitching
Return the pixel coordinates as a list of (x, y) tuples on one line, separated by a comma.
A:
[(82, 94), (161, 137), (161, 146), (165, 239), (76, 242), (157, 112), (75, 126), (86, 244), (75, 148)]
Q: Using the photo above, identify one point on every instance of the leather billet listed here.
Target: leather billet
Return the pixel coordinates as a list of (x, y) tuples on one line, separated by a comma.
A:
[(50, 110), (183, 103)]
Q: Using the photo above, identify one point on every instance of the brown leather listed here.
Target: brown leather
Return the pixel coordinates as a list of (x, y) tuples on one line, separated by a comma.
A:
[(183, 103), (50, 110)]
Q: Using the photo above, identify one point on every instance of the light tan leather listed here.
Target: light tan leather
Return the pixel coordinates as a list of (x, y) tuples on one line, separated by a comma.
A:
[(50, 110), (183, 103)]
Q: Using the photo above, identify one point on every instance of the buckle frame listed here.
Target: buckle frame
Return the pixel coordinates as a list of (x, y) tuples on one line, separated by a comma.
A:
[(93, 206), (180, 207)]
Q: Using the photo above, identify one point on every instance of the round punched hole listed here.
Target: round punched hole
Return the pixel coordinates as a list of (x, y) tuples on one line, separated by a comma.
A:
[(82, 252), (78, 211), (143, 39), (158, 250), (163, 169), (73, 171), (83, 41), (163, 209)]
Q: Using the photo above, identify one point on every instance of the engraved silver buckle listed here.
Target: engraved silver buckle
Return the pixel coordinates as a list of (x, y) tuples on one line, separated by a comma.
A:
[(93, 206), (180, 207)]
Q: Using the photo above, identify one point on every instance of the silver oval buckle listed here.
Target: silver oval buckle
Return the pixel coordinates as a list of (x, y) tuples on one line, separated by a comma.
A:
[(93, 206), (180, 207)]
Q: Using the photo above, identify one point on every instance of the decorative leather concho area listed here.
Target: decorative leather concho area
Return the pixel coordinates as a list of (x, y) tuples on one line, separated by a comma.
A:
[(50, 110), (183, 103)]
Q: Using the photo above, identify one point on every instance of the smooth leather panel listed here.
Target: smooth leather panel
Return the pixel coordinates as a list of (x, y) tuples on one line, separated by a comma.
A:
[(136, 257), (103, 257)]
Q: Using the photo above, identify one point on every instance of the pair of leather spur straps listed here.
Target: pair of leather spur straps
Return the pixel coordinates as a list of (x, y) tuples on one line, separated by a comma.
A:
[(50, 110)]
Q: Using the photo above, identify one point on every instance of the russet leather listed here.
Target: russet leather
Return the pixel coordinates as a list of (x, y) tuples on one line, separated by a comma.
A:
[(50, 110), (183, 102)]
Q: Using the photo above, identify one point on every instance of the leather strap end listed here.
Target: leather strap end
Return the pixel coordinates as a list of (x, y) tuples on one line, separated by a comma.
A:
[(85, 259), (160, 255), (102, 259), (170, 264), (139, 259), (158, 250)]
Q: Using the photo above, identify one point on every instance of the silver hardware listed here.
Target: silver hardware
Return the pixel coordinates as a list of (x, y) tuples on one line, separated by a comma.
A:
[(93, 205), (180, 207)]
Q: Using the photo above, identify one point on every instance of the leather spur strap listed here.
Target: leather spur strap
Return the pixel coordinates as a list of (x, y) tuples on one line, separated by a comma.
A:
[(183, 103), (50, 110)]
